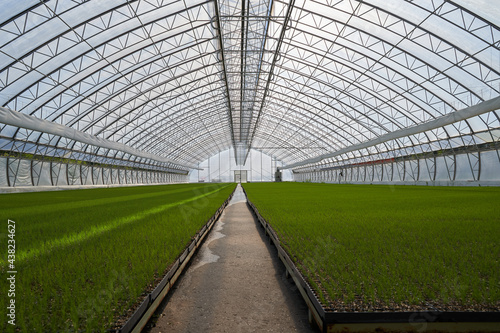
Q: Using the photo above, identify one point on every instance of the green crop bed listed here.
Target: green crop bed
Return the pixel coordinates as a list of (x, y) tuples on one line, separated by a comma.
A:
[(389, 248), (84, 257)]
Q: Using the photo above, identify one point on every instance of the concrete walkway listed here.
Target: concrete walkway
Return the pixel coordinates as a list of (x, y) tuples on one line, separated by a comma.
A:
[(236, 283)]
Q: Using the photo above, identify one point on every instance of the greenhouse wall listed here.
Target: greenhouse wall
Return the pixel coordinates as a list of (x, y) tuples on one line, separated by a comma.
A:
[(474, 169), (23, 174), (260, 167)]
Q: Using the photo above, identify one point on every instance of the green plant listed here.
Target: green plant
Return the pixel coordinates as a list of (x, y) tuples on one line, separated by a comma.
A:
[(85, 257), (364, 247)]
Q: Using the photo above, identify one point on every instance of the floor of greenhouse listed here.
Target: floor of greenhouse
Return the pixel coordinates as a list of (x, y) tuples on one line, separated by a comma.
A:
[(236, 283)]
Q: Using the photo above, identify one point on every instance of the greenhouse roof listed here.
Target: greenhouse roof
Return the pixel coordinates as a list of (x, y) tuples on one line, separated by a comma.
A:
[(305, 81)]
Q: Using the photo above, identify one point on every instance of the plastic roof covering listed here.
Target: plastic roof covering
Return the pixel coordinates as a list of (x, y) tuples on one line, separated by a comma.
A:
[(184, 80)]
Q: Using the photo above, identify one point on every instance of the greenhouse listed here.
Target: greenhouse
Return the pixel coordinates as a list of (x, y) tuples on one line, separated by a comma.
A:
[(122, 119)]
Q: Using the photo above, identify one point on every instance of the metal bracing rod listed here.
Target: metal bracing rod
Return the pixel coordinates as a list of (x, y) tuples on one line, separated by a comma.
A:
[(273, 120), (146, 139), (290, 147), (193, 138), (223, 61), (21, 120), (150, 74), (318, 64), (396, 45), (196, 157), (435, 35), (378, 79), (92, 47), (143, 92), (363, 102), (347, 115), (253, 17), (249, 51), (70, 124), (271, 70), (125, 72), (92, 157), (100, 14), (491, 24), (244, 33), (261, 61), (375, 79), (317, 111), (151, 133), (423, 28), (276, 141), (158, 52), (472, 111)]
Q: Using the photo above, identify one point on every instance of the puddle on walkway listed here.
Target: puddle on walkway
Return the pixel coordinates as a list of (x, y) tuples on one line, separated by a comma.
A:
[(206, 256), (238, 196)]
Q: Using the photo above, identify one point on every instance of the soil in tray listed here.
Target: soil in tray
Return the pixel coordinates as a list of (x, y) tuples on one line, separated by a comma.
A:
[(360, 304)]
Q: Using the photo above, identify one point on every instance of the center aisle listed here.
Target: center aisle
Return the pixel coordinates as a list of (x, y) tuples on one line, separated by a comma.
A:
[(236, 283)]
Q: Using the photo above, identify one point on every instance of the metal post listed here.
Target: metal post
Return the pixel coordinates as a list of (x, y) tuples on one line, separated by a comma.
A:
[(7, 171), (272, 173), (250, 166)]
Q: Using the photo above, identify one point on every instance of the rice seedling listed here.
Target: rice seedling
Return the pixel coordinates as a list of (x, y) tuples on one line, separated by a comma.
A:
[(85, 257), (389, 248)]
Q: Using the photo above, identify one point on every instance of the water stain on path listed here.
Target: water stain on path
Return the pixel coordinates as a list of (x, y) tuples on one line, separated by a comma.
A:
[(206, 256), (237, 284)]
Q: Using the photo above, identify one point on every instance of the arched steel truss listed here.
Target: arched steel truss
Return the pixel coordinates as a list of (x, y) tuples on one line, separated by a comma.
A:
[(179, 81)]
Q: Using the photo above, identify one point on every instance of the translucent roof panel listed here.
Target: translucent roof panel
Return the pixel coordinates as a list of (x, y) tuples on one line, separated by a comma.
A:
[(350, 72), (183, 80)]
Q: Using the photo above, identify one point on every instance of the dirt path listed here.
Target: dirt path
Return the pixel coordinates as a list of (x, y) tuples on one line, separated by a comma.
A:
[(236, 283)]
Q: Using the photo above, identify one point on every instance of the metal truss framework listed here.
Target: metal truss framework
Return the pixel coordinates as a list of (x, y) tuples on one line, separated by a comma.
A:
[(183, 80)]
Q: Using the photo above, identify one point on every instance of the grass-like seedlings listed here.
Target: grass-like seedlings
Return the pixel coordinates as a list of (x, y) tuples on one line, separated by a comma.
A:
[(390, 248), (85, 257)]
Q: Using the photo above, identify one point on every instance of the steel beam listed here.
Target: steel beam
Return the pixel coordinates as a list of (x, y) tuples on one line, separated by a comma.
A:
[(472, 111)]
